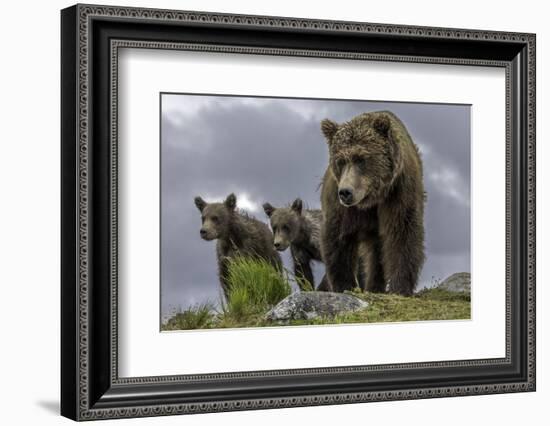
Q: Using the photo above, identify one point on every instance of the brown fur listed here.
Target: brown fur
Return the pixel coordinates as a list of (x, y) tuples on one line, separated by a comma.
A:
[(237, 234), (373, 205), (298, 229)]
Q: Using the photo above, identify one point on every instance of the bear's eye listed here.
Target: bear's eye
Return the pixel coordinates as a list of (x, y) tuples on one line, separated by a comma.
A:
[(286, 228), (359, 162), (340, 163), (215, 219)]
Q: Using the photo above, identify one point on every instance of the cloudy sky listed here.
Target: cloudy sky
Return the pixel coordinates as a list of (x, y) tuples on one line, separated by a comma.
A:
[(272, 149)]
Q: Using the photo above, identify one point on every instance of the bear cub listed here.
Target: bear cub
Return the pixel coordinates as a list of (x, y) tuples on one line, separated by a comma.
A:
[(373, 205), (300, 229), (237, 234)]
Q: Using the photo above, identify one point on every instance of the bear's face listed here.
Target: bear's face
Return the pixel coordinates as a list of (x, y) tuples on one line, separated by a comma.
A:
[(363, 158), (215, 217), (285, 223)]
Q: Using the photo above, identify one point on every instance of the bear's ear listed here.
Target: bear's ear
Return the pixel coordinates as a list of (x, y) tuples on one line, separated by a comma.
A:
[(297, 206), (231, 201), (200, 203), (268, 209), (329, 128), (382, 124)]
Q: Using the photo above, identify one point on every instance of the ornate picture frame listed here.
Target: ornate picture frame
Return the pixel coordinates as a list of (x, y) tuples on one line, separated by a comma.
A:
[(91, 37)]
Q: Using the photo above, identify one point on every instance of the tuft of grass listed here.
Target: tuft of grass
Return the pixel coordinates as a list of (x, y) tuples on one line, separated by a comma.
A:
[(198, 316), (254, 286), (239, 306), (303, 284)]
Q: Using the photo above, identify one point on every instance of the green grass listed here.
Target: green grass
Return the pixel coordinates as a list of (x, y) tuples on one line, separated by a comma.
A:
[(256, 286), (432, 304), (303, 284), (199, 316)]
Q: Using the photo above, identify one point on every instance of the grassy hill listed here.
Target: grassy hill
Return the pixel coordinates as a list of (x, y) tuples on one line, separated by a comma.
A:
[(256, 287)]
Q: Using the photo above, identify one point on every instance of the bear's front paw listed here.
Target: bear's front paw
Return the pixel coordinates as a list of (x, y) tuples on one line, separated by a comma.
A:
[(340, 287), (400, 287)]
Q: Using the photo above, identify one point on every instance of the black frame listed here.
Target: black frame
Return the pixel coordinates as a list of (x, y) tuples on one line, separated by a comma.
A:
[(90, 386)]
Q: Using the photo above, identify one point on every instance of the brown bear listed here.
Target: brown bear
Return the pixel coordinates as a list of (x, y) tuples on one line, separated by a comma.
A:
[(238, 234), (373, 205), (300, 229)]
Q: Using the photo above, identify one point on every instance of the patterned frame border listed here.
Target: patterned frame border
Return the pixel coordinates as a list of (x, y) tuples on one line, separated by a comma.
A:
[(86, 13), (118, 44)]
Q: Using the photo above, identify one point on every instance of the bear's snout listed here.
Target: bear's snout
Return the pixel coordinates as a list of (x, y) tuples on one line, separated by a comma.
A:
[(205, 235), (280, 244), (346, 196)]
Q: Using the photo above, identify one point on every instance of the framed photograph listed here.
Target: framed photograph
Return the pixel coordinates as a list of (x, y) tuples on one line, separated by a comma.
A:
[(263, 212)]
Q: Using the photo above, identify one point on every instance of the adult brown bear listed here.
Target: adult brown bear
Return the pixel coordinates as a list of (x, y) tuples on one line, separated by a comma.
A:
[(373, 205)]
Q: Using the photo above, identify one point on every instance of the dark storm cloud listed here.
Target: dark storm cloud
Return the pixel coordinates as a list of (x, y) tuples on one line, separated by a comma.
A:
[(272, 150)]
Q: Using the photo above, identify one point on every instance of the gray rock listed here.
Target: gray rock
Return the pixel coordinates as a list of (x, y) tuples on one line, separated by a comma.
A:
[(459, 282), (314, 304)]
